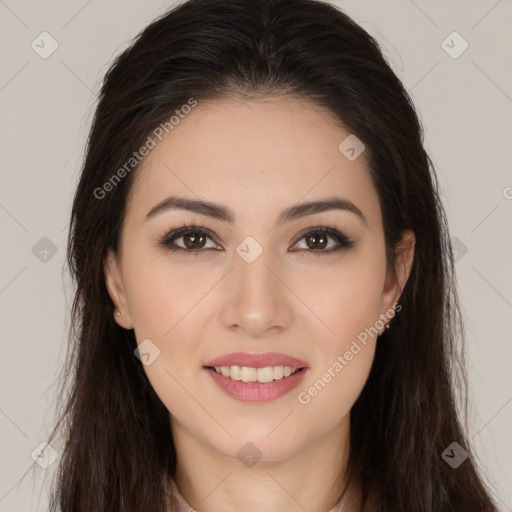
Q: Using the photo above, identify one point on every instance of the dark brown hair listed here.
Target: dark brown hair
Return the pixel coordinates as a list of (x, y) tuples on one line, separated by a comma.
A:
[(118, 451)]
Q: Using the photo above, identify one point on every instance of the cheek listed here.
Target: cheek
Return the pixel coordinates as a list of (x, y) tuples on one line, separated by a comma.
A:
[(165, 305), (328, 396), (162, 294), (346, 297), (348, 303)]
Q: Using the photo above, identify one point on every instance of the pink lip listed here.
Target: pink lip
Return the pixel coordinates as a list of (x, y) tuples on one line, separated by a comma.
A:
[(256, 392), (260, 360)]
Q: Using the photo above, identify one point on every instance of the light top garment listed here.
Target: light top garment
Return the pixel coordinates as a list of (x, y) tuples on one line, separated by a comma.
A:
[(185, 507)]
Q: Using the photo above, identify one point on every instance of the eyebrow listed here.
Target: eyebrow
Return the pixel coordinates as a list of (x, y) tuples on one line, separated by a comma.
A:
[(222, 213)]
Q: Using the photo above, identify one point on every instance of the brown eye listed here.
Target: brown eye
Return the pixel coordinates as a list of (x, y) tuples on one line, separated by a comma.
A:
[(194, 240), (317, 241), (188, 238)]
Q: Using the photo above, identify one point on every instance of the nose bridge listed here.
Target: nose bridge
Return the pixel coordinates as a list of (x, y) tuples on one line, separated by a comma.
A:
[(256, 299), (254, 271)]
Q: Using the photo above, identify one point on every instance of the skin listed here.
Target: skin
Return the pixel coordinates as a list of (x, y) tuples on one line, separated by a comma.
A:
[(256, 158)]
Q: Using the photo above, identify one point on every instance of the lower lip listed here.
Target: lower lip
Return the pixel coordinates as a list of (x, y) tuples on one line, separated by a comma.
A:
[(257, 392)]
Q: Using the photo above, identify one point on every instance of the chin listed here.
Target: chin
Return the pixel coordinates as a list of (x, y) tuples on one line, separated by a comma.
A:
[(256, 445)]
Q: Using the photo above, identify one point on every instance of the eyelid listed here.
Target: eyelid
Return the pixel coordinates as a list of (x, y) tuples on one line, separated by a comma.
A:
[(333, 231), (176, 233)]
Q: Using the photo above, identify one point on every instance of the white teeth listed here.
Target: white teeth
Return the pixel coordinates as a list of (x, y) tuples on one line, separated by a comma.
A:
[(279, 372), (235, 372), (265, 374), (249, 374)]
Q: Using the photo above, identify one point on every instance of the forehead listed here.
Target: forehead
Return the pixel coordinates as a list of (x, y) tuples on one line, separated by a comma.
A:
[(254, 156)]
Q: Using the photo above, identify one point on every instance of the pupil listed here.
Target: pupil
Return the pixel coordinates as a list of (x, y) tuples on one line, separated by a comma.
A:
[(317, 240), (194, 237)]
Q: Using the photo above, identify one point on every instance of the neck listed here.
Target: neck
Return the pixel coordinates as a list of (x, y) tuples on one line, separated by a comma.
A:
[(312, 479)]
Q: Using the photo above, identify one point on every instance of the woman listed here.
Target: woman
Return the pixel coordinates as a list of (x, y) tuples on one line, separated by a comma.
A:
[(266, 312)]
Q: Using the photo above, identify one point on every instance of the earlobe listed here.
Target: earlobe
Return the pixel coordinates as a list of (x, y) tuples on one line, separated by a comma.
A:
[(115, 288)]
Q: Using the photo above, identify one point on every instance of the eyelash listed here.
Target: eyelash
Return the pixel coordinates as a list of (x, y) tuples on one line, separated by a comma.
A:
[(168, 239)]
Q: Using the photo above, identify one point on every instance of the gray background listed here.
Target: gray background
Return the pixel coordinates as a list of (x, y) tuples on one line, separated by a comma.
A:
[(465, 105)]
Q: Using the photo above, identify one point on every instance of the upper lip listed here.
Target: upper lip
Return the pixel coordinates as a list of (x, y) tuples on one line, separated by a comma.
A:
[(257, 360)]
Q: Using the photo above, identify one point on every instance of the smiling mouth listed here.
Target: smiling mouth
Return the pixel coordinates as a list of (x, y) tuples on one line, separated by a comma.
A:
[(251, 374)]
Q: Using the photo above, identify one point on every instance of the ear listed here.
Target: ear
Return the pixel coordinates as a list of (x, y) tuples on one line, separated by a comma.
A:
[(405, 257), (115, 287)]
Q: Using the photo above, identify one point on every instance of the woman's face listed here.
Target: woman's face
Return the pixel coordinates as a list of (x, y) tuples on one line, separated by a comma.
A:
[(250, 279)]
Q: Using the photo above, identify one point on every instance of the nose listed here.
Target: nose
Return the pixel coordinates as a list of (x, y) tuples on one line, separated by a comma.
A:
[(256, 299)]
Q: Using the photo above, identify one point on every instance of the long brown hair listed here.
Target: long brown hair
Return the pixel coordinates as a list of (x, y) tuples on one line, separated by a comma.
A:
[(118, 451)]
